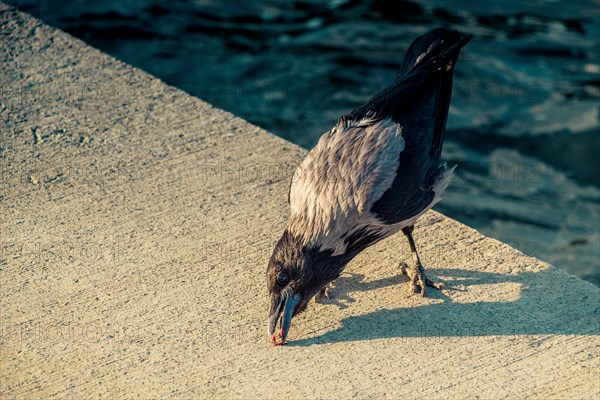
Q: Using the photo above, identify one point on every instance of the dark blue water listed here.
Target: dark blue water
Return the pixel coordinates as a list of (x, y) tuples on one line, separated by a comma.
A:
[(523, 126)]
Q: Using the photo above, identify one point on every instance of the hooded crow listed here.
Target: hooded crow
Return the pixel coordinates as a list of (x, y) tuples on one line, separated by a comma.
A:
[(373, 174)]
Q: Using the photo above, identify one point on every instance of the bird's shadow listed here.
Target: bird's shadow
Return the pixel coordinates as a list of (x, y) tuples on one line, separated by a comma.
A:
[(352, 282), (548, 303)]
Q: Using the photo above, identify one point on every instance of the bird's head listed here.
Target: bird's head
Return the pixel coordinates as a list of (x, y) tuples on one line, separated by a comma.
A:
[(295, 273)]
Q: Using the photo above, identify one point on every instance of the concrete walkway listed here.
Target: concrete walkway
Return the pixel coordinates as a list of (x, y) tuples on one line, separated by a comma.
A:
[(136, 224)]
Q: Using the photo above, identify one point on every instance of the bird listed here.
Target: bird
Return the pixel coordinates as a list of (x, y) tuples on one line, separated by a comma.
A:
[(370, 176)]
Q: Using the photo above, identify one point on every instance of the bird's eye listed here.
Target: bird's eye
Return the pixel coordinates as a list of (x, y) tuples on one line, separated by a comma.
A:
[(282, 278)]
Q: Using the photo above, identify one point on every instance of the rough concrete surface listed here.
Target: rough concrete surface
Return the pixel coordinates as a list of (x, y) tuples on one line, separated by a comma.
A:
[(136, 224)]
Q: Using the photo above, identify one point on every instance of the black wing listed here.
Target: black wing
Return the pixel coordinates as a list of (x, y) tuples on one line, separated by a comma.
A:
[(418, 100)]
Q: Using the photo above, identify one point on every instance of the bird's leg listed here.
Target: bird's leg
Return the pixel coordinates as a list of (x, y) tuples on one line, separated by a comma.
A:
[(416, 273), (324, 293)]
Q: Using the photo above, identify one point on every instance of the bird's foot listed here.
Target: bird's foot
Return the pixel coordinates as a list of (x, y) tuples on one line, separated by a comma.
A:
[(277, 338), (325, 293), (418, 280)]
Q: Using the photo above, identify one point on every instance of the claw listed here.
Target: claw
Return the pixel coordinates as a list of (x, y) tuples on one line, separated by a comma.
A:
[(403, 268), (418, 280), (324, 293), (277, 338), (421, 285), (436, 285)]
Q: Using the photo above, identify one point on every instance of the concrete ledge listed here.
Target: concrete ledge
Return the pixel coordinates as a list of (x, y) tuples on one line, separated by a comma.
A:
[(136, 226)]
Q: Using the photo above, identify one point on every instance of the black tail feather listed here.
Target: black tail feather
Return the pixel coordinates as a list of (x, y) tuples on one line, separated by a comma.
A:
[(440, 45), (428, 55)]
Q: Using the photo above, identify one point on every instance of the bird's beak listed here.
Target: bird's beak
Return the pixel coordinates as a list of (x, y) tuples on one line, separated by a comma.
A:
[(282, 309)]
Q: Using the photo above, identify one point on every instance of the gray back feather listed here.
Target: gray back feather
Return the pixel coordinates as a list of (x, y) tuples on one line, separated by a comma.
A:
[(335, 186)]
